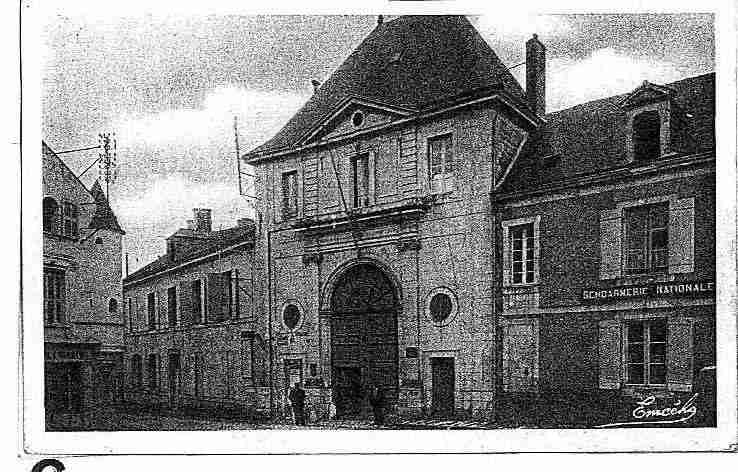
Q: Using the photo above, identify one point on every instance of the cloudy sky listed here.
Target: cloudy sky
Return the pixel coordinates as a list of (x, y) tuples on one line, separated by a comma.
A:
[(169, 88)]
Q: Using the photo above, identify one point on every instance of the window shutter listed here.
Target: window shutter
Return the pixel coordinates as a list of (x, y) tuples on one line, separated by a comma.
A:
[(217, 297), (610, 244), (185, 303), (520, 356), (506, 258), (681, 236), (610, 354), (679, 355)]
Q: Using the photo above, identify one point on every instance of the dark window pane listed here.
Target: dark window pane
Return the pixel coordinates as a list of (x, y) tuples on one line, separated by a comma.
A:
[(635, 373), (646, 136), (517, 278), (659, 239), (635, 353), (635, 332), (657, 353), (657, 374), (440, 307), (658, 330), (291, 316)]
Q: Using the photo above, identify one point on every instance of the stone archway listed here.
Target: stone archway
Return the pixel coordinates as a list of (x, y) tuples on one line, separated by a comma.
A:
[(364, 350)]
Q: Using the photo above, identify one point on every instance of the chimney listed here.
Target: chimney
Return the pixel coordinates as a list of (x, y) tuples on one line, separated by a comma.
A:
[(191, 224), (380, 20), (316, 85), (203, 221), (535, 75)]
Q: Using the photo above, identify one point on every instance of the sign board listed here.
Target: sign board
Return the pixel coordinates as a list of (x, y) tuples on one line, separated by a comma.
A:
[(652, 290)]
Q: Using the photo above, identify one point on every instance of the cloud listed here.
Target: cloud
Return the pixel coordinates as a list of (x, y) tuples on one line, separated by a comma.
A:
[(605, 72), (516, 26), (260, 114)]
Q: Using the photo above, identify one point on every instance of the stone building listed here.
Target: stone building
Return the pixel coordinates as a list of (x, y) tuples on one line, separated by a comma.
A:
[(83, 329), (377, 229), (606, 230), (191, 340)]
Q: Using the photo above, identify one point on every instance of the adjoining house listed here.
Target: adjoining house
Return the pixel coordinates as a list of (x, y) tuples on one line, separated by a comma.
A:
[(606, 229), (192, 340), (83, 328)]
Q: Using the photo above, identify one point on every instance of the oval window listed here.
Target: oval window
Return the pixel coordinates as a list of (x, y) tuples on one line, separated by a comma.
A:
[(441, 305), (113, 305), (291, 316), (358, 119)]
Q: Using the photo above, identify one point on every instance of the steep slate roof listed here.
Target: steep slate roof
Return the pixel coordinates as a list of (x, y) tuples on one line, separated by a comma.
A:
[(591, 137), (213, 242), (104, 218), (440, 57)]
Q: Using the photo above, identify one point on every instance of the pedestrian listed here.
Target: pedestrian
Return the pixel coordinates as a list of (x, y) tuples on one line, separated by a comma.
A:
[(376, 400), (297, 399)]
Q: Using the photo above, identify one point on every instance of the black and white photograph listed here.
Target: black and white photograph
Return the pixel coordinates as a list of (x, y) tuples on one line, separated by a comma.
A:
[(384, 223)]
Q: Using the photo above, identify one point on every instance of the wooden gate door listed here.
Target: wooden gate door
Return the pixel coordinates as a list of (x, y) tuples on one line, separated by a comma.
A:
[(443, 378)]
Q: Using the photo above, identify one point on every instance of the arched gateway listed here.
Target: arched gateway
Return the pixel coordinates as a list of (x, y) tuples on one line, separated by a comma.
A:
[(363, 337)]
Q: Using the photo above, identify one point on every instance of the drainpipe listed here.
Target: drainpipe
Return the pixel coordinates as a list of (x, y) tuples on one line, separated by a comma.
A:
[(269, 326), (496, 305)]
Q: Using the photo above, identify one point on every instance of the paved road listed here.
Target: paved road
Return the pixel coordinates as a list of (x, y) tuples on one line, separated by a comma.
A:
[(112, 420)]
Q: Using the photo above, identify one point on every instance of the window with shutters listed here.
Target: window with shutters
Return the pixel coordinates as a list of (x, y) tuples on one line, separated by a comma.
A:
[(70, 216), (646, 239), (646, 352), (289, 194), (151, 310), (172, 306), (55, 304), (639, 352), (650, 237), (196, 301), (441, 164), (360, 169)]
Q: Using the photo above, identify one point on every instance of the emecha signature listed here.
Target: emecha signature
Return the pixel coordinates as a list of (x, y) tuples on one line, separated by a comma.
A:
[(645, 412)]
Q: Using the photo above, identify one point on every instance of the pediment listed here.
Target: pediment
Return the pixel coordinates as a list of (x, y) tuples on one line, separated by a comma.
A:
[(354, 115), (646, 94)]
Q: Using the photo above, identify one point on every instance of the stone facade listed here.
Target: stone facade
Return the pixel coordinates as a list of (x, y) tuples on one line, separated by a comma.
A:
[(83, 329), (197, 348)]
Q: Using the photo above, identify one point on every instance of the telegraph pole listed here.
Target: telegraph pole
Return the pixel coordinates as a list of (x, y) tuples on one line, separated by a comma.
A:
[(108, 160)]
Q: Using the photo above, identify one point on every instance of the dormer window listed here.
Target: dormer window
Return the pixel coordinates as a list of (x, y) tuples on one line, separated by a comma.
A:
[(646, 136), (650, 123)]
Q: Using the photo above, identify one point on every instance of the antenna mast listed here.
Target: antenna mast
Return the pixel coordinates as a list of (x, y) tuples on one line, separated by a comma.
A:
[(246, 177)]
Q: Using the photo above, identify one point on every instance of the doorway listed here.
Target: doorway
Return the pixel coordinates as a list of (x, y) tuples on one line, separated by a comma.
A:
[(443, 378), (363, 339)]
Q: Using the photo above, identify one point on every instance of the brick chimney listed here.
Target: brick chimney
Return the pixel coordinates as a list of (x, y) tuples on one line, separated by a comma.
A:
[(316, 85), (203, 221), (535, 75)]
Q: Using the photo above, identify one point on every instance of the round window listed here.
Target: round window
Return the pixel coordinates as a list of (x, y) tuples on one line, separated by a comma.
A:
[(442, 306), (358, 119), (113, 305), (291, 316)]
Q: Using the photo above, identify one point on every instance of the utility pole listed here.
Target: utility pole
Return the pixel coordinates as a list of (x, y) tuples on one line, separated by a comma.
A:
[(107, 162)]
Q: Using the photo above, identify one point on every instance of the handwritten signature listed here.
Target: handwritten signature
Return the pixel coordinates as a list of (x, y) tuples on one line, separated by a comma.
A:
[(646, 412)]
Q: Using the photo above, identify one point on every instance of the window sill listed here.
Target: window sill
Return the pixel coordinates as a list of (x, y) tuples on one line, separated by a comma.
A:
[(640, 391), (630, 279)]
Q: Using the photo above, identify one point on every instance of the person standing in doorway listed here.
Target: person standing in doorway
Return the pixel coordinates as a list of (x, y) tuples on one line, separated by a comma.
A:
[(376, 400), (297, 399)]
